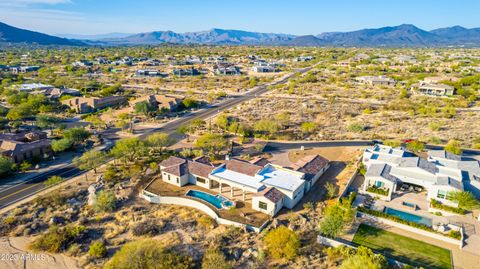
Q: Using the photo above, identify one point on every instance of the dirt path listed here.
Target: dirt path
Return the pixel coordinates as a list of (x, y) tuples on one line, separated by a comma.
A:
[(14, 254)]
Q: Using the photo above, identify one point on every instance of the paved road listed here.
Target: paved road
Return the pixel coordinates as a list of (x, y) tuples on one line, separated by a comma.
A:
[(18, 192), (283, 146)]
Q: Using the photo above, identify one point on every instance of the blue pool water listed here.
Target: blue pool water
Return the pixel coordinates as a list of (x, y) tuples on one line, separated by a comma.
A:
[(216, 200), (408, 216)]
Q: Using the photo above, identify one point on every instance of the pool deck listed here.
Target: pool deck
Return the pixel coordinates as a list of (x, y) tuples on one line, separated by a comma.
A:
[(243, 213)]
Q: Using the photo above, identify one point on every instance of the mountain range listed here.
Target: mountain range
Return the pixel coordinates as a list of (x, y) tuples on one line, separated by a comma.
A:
[(405, 35)]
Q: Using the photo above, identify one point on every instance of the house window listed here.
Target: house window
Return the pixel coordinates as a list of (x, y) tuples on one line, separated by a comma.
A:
[(262, 205), (379, 184), (168, 177), (442, 194), (201, 180), (177, 180)]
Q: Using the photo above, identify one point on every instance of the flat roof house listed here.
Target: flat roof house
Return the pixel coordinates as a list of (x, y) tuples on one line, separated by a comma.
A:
[(433, 89), (28, 87), (90, 104), (440, 174), (24, 145), (376, 80), (162, 102), (272, 187)]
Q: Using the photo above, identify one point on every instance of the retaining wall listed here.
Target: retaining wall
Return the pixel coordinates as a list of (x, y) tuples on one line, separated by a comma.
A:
[(412, 229), (170, 200)]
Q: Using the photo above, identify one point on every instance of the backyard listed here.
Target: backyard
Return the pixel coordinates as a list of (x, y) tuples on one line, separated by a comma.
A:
[(402, 248)]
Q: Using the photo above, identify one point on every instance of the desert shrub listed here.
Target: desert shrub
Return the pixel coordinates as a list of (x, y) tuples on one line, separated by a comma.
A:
[(97, 249), (392, 143), (57, 239), (355, 128), (206, 221), (147, 254), (54, 199), (416, 146), (53, 180), (282, 243), (148, 227), (454, 147), (214, 259), (105, 201)]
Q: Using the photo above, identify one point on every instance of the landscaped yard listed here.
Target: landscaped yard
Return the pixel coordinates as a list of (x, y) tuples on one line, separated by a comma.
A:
[(403, 248)]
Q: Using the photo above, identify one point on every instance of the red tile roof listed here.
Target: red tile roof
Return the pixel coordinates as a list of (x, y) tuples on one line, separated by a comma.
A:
[(271, 194), (242, 167), (310, 165)]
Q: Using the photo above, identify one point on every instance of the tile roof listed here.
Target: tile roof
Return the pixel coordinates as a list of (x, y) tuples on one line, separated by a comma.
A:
[(271, 194), (242, 167), (260, 161), (310, 165), (179, 167)]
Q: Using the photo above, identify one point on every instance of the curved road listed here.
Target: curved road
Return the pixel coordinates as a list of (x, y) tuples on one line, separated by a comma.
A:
[(23, 190)]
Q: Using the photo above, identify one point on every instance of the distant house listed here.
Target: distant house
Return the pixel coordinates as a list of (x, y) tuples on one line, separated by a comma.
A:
[(304, 58), (149, 73), (28, 87), (433, 89), (161, 102), (23, 69), (360, 57), (24, 146), (184, 72), (406, 59), (376, 80), (226, 69), (56, 93), (90, 104), (82, 63)]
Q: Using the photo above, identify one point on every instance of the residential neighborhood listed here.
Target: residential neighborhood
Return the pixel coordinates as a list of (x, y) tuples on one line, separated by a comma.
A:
[(220, 135)]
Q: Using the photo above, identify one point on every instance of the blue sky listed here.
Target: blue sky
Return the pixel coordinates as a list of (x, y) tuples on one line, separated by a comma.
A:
[(293, 16)]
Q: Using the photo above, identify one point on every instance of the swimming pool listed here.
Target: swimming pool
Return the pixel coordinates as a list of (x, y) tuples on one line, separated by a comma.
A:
[(217, 201), (408, 216)]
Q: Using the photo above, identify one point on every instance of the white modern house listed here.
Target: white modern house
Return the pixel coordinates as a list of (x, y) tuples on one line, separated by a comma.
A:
[(440, 174), (271, 187)]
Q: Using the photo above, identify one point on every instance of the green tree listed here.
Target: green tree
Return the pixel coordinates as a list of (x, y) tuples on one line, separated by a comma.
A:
[(392, 143), (90, 160), (105, 201), (355, 127), (308, 127), (144, 108), (96, 121), (46, 121), (189, 103), (129, 149), (416, 146), (364, 258), (331, 190), (147, 254), (454, 147), (212, 143), (61, 145), (53, 180), (6, 166), (97, 249), (282, 243), (159, 140), (267, 127), (214, 259), (465, 200), (76, 135), (337, 217)]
